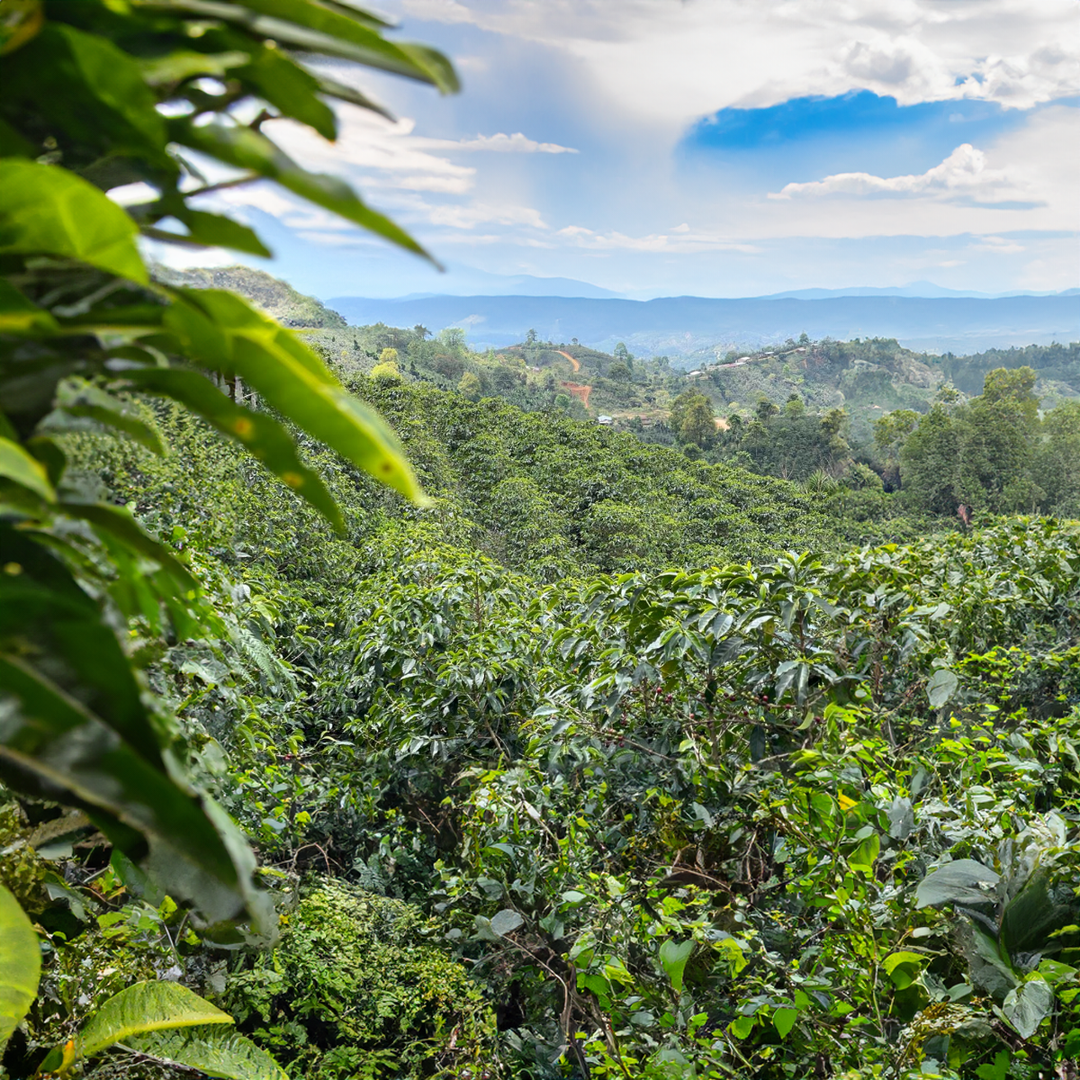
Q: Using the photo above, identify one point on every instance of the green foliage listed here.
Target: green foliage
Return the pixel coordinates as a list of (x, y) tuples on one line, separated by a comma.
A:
[(82, 324), (990, 453), (20, 965), (358, 987)]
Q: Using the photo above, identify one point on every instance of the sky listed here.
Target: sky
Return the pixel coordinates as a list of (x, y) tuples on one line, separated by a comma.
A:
[(705, 147)]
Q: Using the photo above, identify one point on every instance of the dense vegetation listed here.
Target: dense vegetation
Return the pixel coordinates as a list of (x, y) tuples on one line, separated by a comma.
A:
[(673, 823), (604, 760)]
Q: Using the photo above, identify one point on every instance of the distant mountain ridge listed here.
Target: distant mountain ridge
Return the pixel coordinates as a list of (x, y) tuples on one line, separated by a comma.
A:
[(687, 324)]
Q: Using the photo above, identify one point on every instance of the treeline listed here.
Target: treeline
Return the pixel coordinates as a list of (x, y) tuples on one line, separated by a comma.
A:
[(994, 452)]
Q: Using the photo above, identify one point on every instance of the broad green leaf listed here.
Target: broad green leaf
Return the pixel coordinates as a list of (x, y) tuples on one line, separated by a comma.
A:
[(47, 210), (91, 92), (50, 738), (292, 89), (956, 882), (902, 967), (19, 315), (20, 965), (245, 148), (146, 1006), (213, 230), (941, 687), (998, 1070), (506, 922), (343, 34), (1028, 1005), (483, 928), (221, 331), (335, 89), (82, 399), (674, 956), (179, 64), (16, 464), (120, 524), (865, 855), (217, 1051), (784, 1021), (259, 432)]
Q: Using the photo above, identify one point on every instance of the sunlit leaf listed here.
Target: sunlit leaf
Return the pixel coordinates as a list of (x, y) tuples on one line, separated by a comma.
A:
[(16, 464), (145, 1006), (218, 1052), (225, 333), (674, 956), (20, 965), (259, 432), (247, 149), (47, 210)]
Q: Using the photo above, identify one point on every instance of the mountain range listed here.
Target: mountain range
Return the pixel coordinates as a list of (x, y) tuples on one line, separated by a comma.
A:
[(684, 325)]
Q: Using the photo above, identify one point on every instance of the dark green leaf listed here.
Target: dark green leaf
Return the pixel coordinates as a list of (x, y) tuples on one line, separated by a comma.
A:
[(956, 882), (82, 399), (18, 315), (223, 332), (259, 432), (251, 150), (213, 230)]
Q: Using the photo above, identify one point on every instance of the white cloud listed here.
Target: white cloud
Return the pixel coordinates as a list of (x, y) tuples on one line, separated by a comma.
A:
[(468, 217), (678, 240), (656, 60), (500, 143), (963, 174)]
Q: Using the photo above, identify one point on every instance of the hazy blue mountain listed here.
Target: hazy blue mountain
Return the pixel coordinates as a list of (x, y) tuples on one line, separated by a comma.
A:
[(470, 281), (925, 289), (683, 324)]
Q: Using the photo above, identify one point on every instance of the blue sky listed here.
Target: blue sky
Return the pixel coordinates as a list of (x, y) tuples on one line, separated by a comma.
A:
[(709, 147)]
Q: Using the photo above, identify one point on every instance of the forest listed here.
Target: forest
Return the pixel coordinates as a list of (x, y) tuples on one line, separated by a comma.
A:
[(370, 708)]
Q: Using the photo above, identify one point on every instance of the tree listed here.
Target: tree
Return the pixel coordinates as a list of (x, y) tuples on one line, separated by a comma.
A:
[(1056, 464), (930, 464), (470, 386), (99, 95), (698, 423), (1014, 390), (765, 410)]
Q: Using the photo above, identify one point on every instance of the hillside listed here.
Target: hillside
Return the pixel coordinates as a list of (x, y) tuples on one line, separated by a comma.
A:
[(275, 297)]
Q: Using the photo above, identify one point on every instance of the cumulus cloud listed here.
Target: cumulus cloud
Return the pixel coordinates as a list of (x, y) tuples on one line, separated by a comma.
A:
[(963, 174), (656, 60)]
